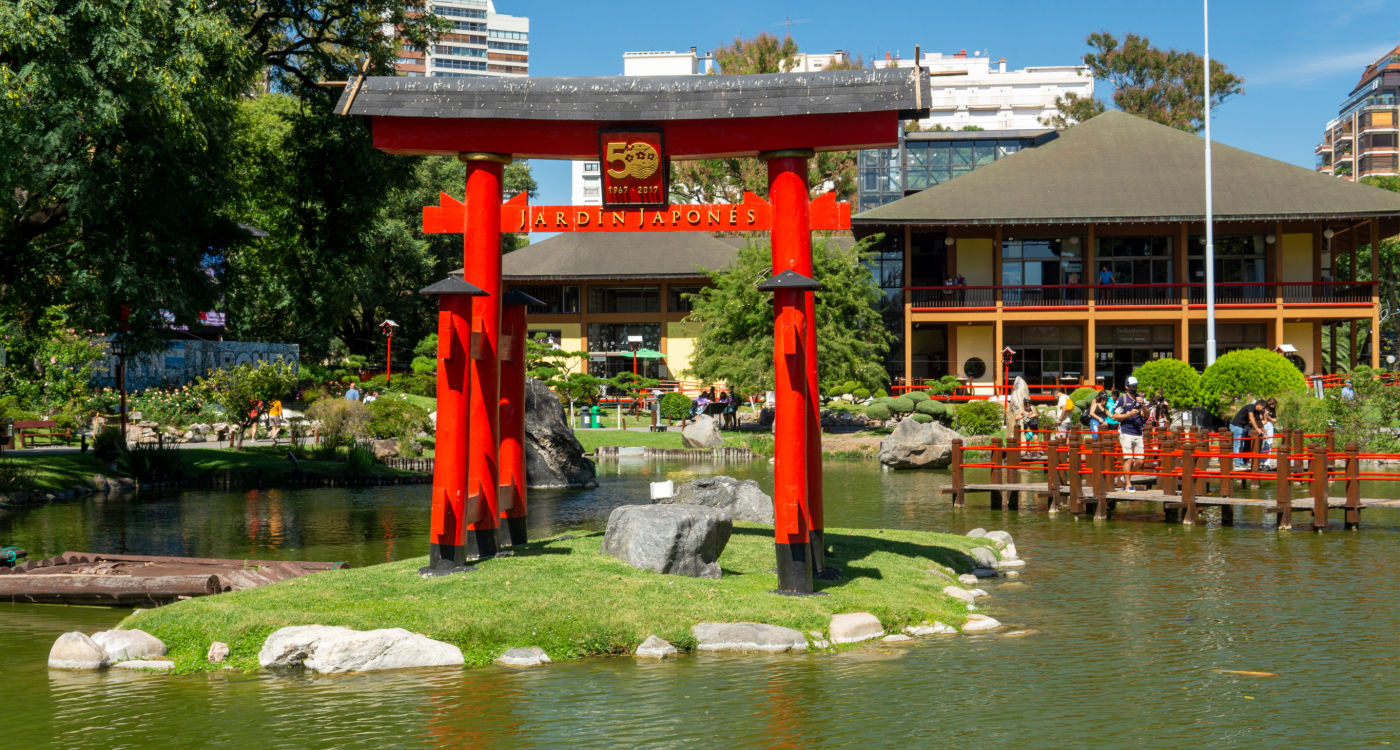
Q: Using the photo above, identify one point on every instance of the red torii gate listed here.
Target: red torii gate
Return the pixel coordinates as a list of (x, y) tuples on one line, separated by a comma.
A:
[(634, 127)]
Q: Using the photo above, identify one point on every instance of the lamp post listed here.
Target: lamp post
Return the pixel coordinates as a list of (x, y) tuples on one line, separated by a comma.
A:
[(387, 328), (1210, 206), (634, 343), (120, 350), (1007, 355)]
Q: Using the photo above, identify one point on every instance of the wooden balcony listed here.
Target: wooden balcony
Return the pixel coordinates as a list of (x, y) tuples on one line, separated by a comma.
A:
[(1133, 296)]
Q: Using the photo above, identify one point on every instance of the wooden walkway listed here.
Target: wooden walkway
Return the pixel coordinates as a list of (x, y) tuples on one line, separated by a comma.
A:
[(1077, 475)]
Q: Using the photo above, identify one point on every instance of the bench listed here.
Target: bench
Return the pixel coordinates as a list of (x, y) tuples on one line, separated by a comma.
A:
[(46, 429)]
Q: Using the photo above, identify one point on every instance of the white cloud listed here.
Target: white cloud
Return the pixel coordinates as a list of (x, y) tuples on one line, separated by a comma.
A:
[(1317, 65)]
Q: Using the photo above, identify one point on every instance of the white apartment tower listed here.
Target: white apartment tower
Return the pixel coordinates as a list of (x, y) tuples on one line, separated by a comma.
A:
[(968, 90), (480, 42)]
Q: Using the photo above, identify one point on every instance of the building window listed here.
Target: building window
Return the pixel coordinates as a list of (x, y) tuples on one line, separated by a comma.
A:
[(1041, 262), (498, 34), (1046, 355), (447, 49), (468, 26), (1239, 260), (446, 10), (1228, 338), (611, 352), (590, 166), (592, 191), (624, 299), (1121, 349), (509, 46), (677, 301), (1136, 260), (459, 64), (558, 300)]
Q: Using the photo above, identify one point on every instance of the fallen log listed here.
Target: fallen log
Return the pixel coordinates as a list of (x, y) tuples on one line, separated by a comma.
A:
[(68, 588)]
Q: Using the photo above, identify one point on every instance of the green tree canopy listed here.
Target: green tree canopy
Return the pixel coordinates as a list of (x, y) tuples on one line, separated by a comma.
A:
[(1248, 373), (726, 180), (1165, 86), (735, 343), (1177, 380)]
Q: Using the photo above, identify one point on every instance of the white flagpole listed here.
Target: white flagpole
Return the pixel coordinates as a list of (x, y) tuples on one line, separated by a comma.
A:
[(1210, 206)]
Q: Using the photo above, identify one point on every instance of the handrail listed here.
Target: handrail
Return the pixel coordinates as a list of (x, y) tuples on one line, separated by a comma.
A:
[(1167, 294)]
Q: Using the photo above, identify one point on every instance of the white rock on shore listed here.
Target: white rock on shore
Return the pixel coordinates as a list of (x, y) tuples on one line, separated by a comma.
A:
[(76, 651), (654, 648), (122, 645), (853, 627), (936, 628), (335, 650), (524, 657), (747, 636), (980, 624)]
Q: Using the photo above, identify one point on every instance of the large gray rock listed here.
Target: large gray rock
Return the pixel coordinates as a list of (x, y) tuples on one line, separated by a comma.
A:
[(654, 648), (76, 651), (743, 501), (553, 456), (334, 650), (121, 645), (702, 434), (747, 636), (679, 539), (918, 446), (985, 558), (384, 449), (853, 627), (524, 657)]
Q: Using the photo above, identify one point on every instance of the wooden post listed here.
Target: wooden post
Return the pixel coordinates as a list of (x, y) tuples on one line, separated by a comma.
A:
[(998, 458), (1283, 484), (1353, 479), (1319, 487), (1331, 445), (1076, 478), (1226, 462), (957, 464), (1188, 481), (1101, 465), (1052, 472), (1255, 443), (1166, 467)]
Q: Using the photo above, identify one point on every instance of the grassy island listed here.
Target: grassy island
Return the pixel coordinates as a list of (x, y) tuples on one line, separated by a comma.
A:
[(564, 596)]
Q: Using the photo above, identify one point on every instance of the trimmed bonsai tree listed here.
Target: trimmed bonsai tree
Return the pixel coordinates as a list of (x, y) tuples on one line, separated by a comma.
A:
[(1248, 373), (1178, 381)]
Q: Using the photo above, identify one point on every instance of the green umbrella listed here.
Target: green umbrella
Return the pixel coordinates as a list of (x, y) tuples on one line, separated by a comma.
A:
[(649, 354)]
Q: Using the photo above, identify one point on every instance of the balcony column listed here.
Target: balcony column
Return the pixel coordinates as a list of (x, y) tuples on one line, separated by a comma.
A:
[(1351, 324), (996, 269), (1375, 233), (1091, 360), (1091, 271), (1183, 339), (1181, 268)]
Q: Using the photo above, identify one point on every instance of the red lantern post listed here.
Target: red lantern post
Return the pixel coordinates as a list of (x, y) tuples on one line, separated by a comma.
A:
[(387, 328)]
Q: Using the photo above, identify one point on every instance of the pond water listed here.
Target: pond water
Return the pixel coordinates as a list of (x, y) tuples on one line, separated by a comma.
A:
[(1135, 627)]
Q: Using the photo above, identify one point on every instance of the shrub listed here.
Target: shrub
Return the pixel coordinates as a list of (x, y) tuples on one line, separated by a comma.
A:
[(878, 411), (394, 416), (917, 396), (979, 418), (1082, 394), (675, 406), (901, 405), (1300, 411), (921, 418), (1178, 381), (361, 460), (944, 386), (108, 444), (10, 409), (880, 392), (1256, 373), (860, 394), (936, 409), (151, 463), (341, 421)]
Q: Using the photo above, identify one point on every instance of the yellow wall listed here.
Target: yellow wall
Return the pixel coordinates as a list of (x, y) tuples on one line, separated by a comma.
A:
[(976, 341), (975, 262), (570, 339), (1300, 335), (679, 346), (1297, 252)]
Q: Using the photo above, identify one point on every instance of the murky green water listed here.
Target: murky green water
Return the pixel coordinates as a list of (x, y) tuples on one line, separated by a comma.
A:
[(1133, 625)]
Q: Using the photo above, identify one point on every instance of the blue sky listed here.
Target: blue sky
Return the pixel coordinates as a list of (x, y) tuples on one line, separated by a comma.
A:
[(1299, 58)]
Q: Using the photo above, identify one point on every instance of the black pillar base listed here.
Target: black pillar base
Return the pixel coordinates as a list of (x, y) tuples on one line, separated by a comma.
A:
[(445, 560), (794, 568), (823, 571), (482, 544), (513, 531)]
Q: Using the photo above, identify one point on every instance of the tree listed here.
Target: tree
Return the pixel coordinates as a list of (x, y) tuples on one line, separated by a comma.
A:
[(1248, 373), (1177, 380), (114, 124), (246, 391), (1165, 86), (726, 180), (735, 343), (1388, 264)]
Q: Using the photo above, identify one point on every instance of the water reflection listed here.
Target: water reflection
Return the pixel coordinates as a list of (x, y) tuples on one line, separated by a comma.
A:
[(1133, 623)]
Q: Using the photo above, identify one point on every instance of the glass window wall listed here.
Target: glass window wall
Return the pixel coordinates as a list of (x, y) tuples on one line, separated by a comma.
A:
[(624, 299)]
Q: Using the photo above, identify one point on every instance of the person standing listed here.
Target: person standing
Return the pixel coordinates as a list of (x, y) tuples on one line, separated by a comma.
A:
[(352, 393), (1064, 418), (1098, 412), (1347, 392), (1105, 280), (1131, 416), (1244, 424)]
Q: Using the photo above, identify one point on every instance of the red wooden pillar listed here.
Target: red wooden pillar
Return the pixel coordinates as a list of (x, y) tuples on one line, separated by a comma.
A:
[(482, 264), (446, 541), (791, 529), (512, 409), (791, 237)]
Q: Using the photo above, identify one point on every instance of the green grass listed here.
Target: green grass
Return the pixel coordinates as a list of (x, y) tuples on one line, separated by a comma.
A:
[(548, 595), (591, 440), (52, 471), (57, 471)]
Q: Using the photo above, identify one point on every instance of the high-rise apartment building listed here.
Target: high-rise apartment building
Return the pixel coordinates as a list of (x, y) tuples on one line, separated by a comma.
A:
[(1361, 140), (481, 42)]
